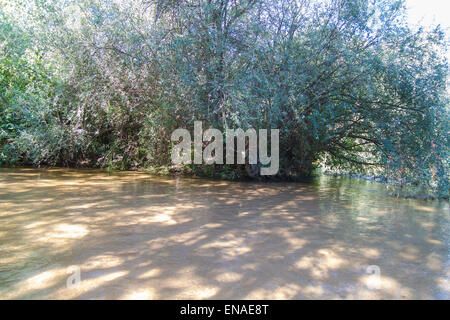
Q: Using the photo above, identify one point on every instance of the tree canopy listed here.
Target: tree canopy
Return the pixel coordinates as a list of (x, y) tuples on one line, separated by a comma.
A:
[(104, 83)]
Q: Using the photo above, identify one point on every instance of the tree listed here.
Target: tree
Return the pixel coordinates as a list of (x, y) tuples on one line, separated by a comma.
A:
[(349, 85)]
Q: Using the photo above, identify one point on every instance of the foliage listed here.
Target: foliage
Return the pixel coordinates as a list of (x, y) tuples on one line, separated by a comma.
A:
[(104, 83)]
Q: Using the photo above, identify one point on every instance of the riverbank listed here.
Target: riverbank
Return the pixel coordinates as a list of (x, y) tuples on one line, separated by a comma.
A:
[(208, 172)]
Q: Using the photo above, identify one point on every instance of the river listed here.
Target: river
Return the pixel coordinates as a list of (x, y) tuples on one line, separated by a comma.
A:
[(92, 234)]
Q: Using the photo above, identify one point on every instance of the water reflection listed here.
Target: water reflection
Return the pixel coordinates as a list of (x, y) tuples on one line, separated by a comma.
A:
[(136, 236)]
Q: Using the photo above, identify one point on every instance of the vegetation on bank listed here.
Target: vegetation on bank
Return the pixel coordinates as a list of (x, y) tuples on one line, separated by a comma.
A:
[(350, 85)]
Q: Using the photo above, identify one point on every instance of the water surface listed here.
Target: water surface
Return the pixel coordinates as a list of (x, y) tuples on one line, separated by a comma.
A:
[(132, 235)]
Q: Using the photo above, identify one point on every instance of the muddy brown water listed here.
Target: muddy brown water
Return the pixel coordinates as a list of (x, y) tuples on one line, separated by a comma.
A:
[(128, 235)]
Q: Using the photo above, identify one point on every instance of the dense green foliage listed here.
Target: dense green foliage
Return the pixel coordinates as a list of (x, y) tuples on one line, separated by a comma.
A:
[(347, 82)]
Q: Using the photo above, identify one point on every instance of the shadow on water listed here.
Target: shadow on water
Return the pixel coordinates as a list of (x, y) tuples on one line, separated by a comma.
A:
[(137, 236)]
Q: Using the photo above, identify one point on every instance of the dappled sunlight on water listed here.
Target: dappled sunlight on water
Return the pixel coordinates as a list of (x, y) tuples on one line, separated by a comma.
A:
[(134, 236)]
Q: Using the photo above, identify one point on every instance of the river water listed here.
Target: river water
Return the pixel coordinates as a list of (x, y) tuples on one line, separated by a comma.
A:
[(91, 234)]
